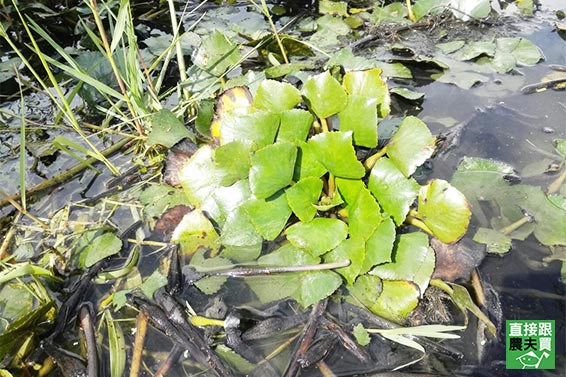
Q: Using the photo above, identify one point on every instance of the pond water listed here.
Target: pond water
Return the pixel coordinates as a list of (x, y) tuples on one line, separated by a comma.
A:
[(495, 121)]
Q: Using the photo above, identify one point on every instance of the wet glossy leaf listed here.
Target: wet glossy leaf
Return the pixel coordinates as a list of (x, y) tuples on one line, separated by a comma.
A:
[(276, 96), (366, 289), (411, 145), (199, 177), (195, 231), (496, 242), (474, 49), (324, 95), (360, 117), (227, 199), (258, 128), (444, 210), (369, 83), (272, 169), (397, 300), (352, 249), (337, 8), (413, 260), (216, 53), (101, 247), (394, 192), (233, 161), (461, 74), (295, 126), (303, 195), (307, 163), (239, 236), (466, 9), (166, 130), (364, 215), (318, 236), (379, 245), (334, 150), (269, 217)]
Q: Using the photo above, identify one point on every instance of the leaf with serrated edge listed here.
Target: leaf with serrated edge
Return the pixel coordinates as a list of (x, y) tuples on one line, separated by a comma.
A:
[(303, 195), (272, 169), (324, 95), (334, 150), (318, 236), (276, 96)]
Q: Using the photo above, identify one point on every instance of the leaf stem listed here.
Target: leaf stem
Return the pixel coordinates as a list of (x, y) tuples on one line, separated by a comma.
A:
[(555, 185), (324, 125), (516, 225), (372, 160), (412, 220)]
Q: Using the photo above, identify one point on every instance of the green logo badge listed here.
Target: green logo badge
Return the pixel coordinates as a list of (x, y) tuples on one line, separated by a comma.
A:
[(529, 344)]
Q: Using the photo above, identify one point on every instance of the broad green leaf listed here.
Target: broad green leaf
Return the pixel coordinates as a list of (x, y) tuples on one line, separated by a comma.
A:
[(364, 215), (295, 126), (205, 114), (474, 49), (227, 199), (334, 150), (166, 130), (496, 242), (379, 245), (276, 96), (444, 210), (307, 163), (269, 217), (303, 195), (324, 95), (258, 128), (360, 117), (366, 289), (239, 236), (216, 54), (369, 83), (413, 260), (233, 161), (195, 231), (352, 249), (272, 169), (315, 286), (337, 8), (157, 198), (411, 145), (277, 287), (408, 94), (394, 192), (101, 247), (199, 177), (450, 47), (397, 300), (318, 236), (511, 52)]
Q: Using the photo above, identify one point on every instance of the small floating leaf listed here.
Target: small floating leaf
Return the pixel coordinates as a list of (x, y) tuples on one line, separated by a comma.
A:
[(272, 169), (216, 53), (334, 150), (496, 242), (397, 300), (276, 96), (444, 210), (101, 247), (411, 145), (394, 192), (324, 95), (318, 236), (303, 195), (166, 129)]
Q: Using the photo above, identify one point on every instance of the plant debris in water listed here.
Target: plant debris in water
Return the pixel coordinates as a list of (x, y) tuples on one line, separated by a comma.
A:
[(300, 236)]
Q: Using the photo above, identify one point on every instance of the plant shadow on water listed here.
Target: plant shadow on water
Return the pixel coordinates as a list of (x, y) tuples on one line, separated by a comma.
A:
[(488, 121)]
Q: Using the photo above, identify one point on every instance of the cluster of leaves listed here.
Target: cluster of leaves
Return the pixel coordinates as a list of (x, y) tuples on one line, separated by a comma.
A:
[(278, 169)]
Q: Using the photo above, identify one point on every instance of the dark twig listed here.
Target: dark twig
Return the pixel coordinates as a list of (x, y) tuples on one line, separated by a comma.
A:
[(87, 323)]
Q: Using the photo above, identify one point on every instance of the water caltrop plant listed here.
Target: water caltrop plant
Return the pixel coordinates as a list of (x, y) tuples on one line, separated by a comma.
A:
[(282, 167)]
